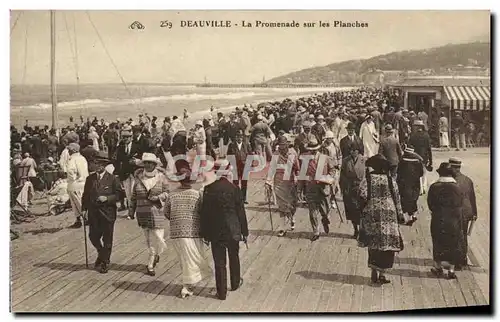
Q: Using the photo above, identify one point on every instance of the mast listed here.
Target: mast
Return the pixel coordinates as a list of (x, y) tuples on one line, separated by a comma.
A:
[(53, 68)]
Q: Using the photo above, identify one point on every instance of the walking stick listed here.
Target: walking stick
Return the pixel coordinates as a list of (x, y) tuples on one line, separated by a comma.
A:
[(269, 193), (85, 238), (334, 195)]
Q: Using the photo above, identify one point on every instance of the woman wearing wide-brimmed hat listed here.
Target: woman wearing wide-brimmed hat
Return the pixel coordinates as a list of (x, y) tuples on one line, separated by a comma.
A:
[(284, 182), (148, 195), (446, 206), (182, 207), (380, 218)]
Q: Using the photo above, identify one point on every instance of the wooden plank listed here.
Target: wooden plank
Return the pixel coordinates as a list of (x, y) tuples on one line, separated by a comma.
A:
[(330, 256), (306, 296)]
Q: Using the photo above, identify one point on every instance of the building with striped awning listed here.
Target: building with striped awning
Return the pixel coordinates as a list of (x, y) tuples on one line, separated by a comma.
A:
[(473, 98), (462, 93)]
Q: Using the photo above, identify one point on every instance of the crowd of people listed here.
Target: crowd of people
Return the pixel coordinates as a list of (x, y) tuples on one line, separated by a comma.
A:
[(377, 157)]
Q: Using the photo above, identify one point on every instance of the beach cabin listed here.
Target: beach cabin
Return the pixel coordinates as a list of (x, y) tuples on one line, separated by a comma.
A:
[(436, 94)]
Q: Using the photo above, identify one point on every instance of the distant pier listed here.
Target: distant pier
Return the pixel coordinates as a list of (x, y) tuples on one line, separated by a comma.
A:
[(277, 85)]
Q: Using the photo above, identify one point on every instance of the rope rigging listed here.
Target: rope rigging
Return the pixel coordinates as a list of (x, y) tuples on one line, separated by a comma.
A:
[(25, 69), (74, 53), (111, 59)]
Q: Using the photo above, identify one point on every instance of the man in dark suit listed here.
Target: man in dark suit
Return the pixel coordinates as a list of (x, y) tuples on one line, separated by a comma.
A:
[(469, 203), (421, 142), (126, 154), (391, 149), (140, 141), (351, 138), (224, 224), (99, 198), (240, 150)]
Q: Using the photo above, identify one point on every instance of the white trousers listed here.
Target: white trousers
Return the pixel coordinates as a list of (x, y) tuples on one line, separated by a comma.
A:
[(128, 186), (75, 197), (423, 182), (155, 241), (222, 148)]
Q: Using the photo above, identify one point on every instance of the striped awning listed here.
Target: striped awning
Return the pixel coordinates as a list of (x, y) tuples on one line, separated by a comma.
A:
[(474, 98)]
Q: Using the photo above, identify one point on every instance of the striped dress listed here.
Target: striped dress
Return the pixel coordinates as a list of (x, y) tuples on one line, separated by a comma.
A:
[(149, 214)]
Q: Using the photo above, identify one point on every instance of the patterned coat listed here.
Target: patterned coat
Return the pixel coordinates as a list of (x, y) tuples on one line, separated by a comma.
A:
[(379, 228), (149, 213)]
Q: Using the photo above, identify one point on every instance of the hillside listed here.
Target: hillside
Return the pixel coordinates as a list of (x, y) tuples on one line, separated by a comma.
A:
[(456, 59)]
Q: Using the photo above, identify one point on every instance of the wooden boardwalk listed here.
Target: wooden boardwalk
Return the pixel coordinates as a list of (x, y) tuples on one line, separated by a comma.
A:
[(288, 274)]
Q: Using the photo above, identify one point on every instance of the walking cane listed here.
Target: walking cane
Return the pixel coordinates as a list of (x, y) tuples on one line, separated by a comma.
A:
[(85, 237), (269, 192)]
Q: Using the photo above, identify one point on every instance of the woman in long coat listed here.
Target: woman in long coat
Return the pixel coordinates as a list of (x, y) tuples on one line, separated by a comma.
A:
[(182, 209), (352, 173), (284, 186), (446, 206), (149, 193), (410, 169), (380, 218), (369, 135)]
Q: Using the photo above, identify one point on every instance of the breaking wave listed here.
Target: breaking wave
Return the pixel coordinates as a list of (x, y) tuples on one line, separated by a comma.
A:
[(140, 100)]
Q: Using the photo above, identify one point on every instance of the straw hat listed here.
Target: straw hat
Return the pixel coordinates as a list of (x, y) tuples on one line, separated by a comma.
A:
[(328, 135), (148, 157), (199, 122)]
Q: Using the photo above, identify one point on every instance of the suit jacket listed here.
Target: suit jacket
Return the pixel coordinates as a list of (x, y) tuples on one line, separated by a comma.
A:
[(108, 186), (468, 195), (240, 154), (391, 149), (344, 145), (123, 166), (223, 216)]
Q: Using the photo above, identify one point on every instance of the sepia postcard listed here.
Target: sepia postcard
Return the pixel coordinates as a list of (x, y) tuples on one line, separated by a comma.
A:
[(250, 161)]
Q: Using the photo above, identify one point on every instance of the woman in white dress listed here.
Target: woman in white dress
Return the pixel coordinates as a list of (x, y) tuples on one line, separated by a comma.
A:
[(94, 137), (182, 209), (369, 135)]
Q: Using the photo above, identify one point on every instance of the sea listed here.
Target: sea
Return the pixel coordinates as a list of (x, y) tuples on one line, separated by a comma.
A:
[(112, 101)]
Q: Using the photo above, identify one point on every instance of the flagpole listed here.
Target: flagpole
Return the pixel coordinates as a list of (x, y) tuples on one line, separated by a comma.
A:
[(53, 68)]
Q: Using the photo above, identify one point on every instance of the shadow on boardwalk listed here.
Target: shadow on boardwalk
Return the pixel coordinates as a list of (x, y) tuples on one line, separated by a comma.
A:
[(298, 234), (171, 289), (80, 267), (362, 280)]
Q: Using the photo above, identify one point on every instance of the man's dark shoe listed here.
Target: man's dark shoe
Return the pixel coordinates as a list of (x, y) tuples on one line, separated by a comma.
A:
[(104, 268), (241, 283), (97, 263), (326, 224), (77, 224), (314, 238)]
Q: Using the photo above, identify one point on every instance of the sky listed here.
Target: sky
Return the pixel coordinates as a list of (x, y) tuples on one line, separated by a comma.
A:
[(229, 55)]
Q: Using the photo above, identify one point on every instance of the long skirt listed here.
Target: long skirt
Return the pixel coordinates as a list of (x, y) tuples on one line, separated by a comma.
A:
[(194, 266), (443, 139), (380, 260), (286, 195)]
